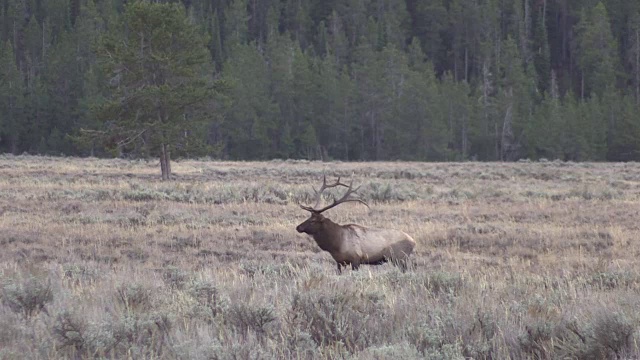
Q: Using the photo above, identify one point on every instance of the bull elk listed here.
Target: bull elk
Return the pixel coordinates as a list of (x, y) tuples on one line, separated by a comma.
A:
[(354, 244)]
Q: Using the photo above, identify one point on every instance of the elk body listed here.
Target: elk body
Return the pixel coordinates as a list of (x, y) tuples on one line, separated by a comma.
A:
[(354, 244)]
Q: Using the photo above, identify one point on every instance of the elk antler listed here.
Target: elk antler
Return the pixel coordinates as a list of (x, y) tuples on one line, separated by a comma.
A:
[(345, 198)]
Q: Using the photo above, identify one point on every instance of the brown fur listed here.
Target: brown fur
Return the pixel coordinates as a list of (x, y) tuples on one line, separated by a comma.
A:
[(355, 245)]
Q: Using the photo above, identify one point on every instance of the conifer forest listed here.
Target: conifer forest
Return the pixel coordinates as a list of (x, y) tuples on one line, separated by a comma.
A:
[(351, 80)]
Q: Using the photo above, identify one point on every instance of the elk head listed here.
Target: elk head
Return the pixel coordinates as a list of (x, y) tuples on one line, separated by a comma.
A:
[(316, 222)]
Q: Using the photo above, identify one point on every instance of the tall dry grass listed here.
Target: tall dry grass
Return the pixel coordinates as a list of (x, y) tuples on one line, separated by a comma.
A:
[(514, 261)]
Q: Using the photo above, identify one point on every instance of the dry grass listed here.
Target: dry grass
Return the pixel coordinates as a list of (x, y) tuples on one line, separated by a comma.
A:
[(528, 260)]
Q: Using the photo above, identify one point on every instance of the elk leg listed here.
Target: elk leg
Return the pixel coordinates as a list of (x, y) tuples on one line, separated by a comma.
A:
[(355, 265), (339, 268)]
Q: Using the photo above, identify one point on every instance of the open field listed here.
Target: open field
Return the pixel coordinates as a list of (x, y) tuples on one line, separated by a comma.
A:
[(527, 260)]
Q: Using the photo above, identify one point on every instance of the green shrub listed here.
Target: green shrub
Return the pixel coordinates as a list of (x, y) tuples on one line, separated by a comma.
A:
[(174, 277), (79, 273), (245, 318), (144, 195), (401, 350), (613, 280), (438, 283), (134, 297), (143, 336), (210, 301), (69, 331), (386, 192), (477, 337), (425, 338), (612, 333), (608, 335), (536, 340), (343, 317), (27, 296), (443, 283), (128, 336), (237, 349), (281, 270)]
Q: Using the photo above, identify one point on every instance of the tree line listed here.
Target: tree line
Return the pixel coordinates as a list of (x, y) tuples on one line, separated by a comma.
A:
[(440, 80)]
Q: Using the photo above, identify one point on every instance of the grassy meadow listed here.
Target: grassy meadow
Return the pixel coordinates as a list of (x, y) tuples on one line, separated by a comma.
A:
[(100, 259)]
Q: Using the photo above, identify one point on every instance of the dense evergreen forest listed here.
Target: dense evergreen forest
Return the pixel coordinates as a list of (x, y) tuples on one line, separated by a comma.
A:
[(430, 80)]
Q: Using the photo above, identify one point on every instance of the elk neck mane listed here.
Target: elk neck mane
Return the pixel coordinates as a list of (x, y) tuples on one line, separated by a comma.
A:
[(332, 234)]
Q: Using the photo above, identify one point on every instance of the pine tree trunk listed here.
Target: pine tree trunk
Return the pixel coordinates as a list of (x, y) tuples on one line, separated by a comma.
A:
[(324, 153), (168, 160), (497, 140), (506, 139), (455, 66), (466, 64), (637, 66), (465, 140), (374, 134), (165, 162), (525, 33), (363, 155), (544, 12)]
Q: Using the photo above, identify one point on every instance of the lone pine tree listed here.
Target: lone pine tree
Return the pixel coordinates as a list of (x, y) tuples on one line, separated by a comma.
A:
[(160, 75)]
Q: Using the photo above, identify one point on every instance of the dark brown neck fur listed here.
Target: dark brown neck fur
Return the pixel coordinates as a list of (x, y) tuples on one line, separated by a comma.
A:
[(330, 238)]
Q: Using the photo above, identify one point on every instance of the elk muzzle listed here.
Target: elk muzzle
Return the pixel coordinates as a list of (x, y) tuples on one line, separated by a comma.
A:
[(308, 225)]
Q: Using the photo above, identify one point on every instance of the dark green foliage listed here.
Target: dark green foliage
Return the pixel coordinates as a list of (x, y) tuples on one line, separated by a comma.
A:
[(351, 80), (596, 49), (162, 92), (12, 100)]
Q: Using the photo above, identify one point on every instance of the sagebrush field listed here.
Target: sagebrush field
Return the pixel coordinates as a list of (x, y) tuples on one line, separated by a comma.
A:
[(514, 261)]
